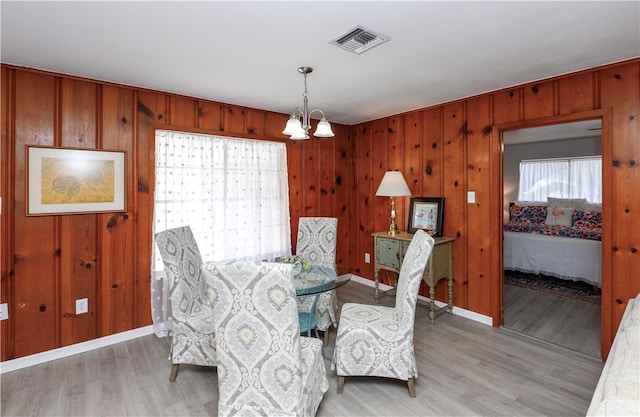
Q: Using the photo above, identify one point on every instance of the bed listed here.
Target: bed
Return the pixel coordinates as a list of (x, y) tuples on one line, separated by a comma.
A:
[(560, 238), (618, 389)]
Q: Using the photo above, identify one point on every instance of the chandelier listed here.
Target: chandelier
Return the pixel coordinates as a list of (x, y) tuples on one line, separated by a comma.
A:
[(299, 124)]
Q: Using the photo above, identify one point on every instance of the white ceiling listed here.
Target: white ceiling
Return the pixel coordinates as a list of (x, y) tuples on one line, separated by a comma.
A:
[(247, 53)]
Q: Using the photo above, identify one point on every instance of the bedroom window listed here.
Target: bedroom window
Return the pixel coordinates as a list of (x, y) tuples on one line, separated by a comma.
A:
[(578, 177), (232, 192)]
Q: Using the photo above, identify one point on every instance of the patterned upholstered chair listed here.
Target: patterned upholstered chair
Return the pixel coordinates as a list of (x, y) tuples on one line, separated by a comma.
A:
[(193, 340), (264, 366), (376, 340), (317, 237)]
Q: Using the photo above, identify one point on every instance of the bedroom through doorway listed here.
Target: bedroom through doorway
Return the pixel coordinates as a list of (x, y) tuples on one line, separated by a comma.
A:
[(551, 247)]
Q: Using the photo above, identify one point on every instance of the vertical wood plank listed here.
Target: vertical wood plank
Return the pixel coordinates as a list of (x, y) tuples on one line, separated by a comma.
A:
[(539, 100), (326, 176), (183, 111), (234, 121), (295, 163), (79, 271), (210, 115), (116, 230), (342, 205), (478, 214), (414, 169), (620, 89), (78, 237), (151, 110), (431, 170), (454, 192), (311, 186), (379, 154), (256, 122), (78, 113), (364, 189), (395, 143), (7, 150), (413, 154), (576, 93), (433, 153), (496, 201), (36, 254), (275, 125), (507, 106), (396, 161)]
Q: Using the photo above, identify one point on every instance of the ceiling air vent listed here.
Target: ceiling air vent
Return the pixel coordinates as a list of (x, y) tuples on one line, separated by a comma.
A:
[(359, 39)]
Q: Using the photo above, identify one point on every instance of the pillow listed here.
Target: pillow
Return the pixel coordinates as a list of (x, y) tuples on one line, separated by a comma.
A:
[(530, 203), (565, 202), (586, 219), (559, 216), (532, 214), (586, 206)]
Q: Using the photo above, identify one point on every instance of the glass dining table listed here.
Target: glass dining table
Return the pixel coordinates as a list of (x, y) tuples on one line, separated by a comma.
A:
[(309, 284), (320, 278)]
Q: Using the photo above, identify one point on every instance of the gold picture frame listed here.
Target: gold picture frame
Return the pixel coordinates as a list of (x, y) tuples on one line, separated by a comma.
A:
[(73, 181), (426, 213)]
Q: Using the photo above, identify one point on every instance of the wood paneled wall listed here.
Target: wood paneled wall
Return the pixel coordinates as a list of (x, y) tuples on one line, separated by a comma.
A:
[(447, 150), (454, 148), (50, 261)]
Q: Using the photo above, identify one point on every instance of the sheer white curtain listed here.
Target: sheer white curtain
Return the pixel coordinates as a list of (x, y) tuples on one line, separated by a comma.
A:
[(586, 179), (561, 177), (234, 195)]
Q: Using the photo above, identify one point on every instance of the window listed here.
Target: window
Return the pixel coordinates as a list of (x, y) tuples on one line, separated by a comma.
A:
[(232, 192), (579, 177)]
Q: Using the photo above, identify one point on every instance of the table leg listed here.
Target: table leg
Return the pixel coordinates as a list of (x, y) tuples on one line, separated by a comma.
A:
[(376, 294), (450, 294), (432, 305)]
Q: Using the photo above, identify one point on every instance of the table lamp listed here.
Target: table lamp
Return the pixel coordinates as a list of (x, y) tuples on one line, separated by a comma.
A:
[(393, 185)]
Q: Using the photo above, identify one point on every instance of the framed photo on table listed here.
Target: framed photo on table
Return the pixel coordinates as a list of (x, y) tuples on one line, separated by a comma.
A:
[(426, 213), (72, 181)]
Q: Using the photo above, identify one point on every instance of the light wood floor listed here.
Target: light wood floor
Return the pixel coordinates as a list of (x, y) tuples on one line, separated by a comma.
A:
[(563, 321), (466, 369)]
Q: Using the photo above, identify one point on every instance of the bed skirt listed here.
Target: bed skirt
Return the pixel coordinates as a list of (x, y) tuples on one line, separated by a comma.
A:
[(561, 257)]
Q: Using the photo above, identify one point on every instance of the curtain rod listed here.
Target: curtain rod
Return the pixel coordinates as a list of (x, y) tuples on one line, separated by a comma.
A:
[(563, 158)]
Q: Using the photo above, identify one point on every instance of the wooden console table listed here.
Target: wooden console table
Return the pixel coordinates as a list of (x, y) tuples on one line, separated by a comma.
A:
[(389, 253)]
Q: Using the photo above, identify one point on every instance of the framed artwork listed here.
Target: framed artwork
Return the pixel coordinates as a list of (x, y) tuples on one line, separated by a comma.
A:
[(72, 181), (426, 213)]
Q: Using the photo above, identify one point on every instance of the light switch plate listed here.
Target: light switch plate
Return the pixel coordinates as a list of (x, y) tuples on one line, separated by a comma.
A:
[(4, 311), (471, 196)]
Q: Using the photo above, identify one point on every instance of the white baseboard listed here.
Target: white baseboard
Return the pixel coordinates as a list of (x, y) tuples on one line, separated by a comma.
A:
[(468, 314), (63, 352)]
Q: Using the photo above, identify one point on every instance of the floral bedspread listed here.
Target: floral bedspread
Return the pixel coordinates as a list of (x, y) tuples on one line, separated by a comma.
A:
[(580, 232), (531, 219)]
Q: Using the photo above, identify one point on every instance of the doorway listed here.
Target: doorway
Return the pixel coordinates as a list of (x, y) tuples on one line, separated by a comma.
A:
[(536, 312)]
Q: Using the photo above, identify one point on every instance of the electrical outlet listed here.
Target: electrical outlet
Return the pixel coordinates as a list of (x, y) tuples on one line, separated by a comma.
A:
[(4, 311), (367, 258), (82, 306)]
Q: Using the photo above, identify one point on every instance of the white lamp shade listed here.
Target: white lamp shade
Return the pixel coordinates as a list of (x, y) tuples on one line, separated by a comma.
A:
[(393, 185), (293, 127), (323, 130), (299, 135)]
